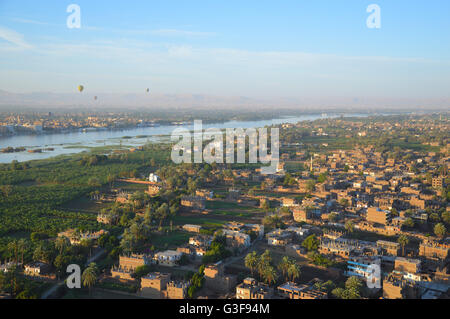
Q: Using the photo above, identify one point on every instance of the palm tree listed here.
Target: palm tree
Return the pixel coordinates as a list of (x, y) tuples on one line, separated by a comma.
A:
[(284, 265), (294, 271), (12, 248), (89, 276), (403, 241), (61, 244), (269, 274), (21, 245), (251, 261), (264, 262)]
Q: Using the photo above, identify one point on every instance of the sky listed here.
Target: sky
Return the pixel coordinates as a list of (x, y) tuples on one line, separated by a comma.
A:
[(255, 48)]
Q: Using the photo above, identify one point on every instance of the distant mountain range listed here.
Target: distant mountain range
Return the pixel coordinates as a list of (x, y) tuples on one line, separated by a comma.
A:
[(201, 101)]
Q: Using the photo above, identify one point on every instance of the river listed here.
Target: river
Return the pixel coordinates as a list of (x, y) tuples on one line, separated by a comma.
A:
[(79, 141)]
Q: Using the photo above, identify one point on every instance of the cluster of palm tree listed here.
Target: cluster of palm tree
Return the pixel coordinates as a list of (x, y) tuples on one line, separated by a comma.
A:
[(289, 269), (262, 266), (17, 249), (403, 240)]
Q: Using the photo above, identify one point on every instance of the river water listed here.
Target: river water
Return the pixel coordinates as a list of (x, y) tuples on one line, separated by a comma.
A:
[(79, 141)]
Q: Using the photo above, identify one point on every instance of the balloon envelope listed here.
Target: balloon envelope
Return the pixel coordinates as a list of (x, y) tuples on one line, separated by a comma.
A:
[(80, 88)]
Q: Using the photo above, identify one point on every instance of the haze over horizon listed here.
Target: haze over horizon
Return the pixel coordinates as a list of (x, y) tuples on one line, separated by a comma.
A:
[(225, 54)]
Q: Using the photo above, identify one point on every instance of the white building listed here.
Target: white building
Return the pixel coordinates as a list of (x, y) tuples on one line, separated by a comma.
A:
[(168, 257), (153, 178)]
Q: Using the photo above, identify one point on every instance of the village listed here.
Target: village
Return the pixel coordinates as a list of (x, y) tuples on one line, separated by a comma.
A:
[(315, 229)]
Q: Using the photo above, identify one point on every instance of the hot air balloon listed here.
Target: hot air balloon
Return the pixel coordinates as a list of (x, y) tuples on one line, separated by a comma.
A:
[(148, 90), (95, 97), (80, 88)]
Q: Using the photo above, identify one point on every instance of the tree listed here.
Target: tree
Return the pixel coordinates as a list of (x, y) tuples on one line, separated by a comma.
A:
[(141, 271), (409, 222), (13, 250), (61, 243), (349, 226), (251, 261), (6, 190), (403, 240), (294, 271), (162, 213), (284, 265), (310, 186), (111, 178), (264, 262), (446, 217), (269, 274), (354, 286), (440, 230), (21, 246), (89, 276), (353, 289), (311, 243), (333, 217)]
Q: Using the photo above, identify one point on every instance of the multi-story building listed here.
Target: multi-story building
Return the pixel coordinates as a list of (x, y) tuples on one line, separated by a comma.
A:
[(432, 249), (153, 285), (216, 280), (407, 265), (367, 268), (251, 289), (294, 291), (389, 247), (378, 216), (236, 239), (168, 258), (192, 228), (194, 202), (176, 290)]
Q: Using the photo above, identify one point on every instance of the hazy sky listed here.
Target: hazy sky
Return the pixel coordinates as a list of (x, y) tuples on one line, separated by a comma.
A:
[(255, 48)]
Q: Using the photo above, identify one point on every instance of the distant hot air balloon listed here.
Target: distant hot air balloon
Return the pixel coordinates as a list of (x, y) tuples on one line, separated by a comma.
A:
[(148, 90), (80, 88), (95, 97)]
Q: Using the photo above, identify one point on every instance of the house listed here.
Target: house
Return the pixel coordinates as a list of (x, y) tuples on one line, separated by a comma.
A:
[(108, 219), (153, 190), (153, 178), (279, 237), (379, 216), (176, 290), (37, 269), (292, 290), (193, 202), (76, 238), (204, 193), (236, 239), (366, 267), (433, 249), (168, 258), (388, 247), (289, 202), (216, 280), (153, 285), (128, 264), (251, 289), (192, 228)]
